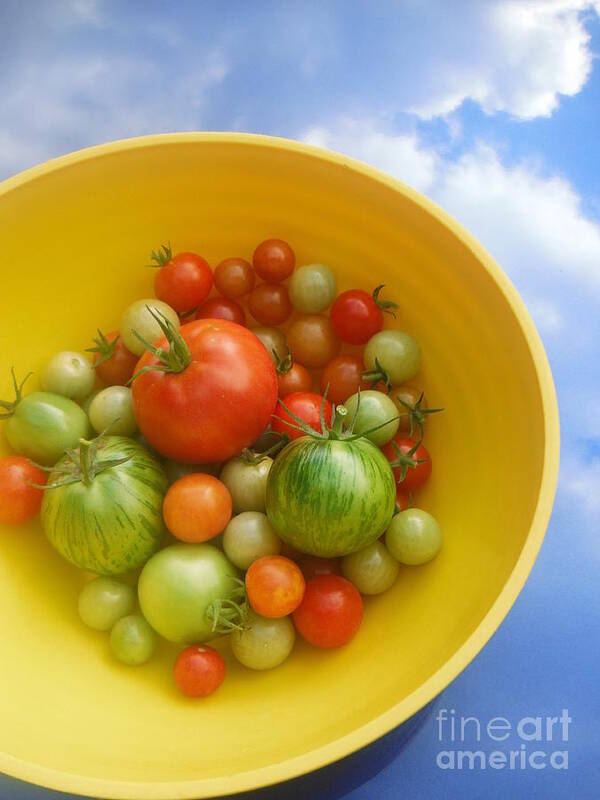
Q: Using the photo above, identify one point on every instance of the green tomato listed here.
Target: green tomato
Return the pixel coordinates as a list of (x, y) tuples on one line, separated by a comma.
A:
[(85, 404), (132, 640), (104, 601), (413, 537), (178, 587), (70, 375), (397, 353), (312, 288), (112, 411), (374, 409), (176, 470), (265, 644), (44, 425), (248, 537), (138, 318), (274, 340), (247, 482), (372, 570)]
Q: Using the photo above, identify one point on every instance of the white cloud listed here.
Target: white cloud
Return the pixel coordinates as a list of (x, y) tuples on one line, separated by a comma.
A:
[(580, 483)]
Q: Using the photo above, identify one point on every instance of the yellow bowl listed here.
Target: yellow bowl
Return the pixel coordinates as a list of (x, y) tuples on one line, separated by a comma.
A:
[(76, 233)]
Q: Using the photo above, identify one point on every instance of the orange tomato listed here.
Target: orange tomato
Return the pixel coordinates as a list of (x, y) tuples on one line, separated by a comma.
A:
[(197, 507), (275, 586)]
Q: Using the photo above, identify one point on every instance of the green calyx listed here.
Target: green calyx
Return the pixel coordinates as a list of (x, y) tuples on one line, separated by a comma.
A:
[(176, 358), (252, 458), (81, 465), (161, 256), (103, 348), (417, 414), (387, 306), (283, 365), (230, 614), (8, 406), (376, 375), (405, 460)]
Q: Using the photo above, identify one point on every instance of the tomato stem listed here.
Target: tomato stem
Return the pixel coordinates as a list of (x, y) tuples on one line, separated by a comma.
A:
[(9, 406), (252, 457), (104, 348), (417, 414), (387, 306), (81, 465), (283, 365), (175, 359), (406, 460), (373, 376), (161, 256)]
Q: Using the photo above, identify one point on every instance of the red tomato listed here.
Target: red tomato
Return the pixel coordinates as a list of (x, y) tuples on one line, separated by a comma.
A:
[(197, 507), (292, 377), (403, 500), (274, 585), (199, 670), (357, 315), (343, 377), (274, 260), (330, 613), (234, 277), (307, 406), (222, 308), (415, 476), (269, 304), (113, 362), (19, 502), (183, 281), (219, 403), (312, 566)]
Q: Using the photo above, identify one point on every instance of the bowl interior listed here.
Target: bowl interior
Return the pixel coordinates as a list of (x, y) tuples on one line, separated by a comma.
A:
[(75, 242)]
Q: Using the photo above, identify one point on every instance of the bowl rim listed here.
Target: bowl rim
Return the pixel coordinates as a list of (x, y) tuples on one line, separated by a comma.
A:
[(383, 723)]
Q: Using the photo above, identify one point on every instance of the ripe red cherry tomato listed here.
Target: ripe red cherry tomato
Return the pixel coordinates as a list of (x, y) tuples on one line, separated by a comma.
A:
[(234, 277), (113, 362), (19, 502), (269, 304), (274, 585), (357, 315), (199, 670), (343, 376), (312, 566), (274, 260), (415, 476), (183, 281), (291, 376), (222, 308), (307, 406), (330, 613)]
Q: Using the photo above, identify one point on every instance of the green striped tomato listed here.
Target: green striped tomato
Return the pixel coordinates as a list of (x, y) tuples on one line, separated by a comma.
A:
[(330, 497), (114, 522)]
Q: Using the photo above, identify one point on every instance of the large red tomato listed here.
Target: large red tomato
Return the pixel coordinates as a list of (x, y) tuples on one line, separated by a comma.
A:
[(213, 400)]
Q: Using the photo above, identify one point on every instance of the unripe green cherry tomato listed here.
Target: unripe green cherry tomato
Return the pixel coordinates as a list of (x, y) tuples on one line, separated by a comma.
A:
[(372, 570), (413, 537), (249, 536), (132, 640), (138, 318), (70, 375), (273, 340), (374, 409), (104, 601), (111, 410), (247, 482), (397, 352), (265, 644), (312, 288)]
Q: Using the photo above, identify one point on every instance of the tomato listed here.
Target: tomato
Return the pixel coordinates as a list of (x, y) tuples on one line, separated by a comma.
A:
[(414, 537), (274, 260), (373, 409), (111, 410), (19, 502), (330, 612), (205, 406), (199, 670), (343, 376), (265, 643), (222, 308), (372, 570), (249, 536), (234, 277), (132, 640), (312, 341), (357, 315), (305, 405), (197, 507), (295, 379), (140, 325), (274, 341), (246, 478), (403, 500), (275, 586), (269, 304), (410, 460), (183, 281), (70, 375), (312, 566), (394, 356), (313, 288), (113, 362), (104, 601)]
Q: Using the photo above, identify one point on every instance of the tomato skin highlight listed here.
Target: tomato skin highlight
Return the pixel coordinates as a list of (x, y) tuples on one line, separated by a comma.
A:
[(118, 369), (356, 316), (197, 507), (19, 502), (307, 406), (415, 476), (216, 406), (330, 613), (275, 586), (184, 282), (199, 670), (274, 260), (222, 308)]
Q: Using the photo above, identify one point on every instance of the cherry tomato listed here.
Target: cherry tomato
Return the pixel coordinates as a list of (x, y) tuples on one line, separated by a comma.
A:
[(274, 585), (274, 260), (292, 377), (199, 670), (403, 500), (312, 566), (234, 277), (269, 304), (197, 507), (113, 362), (415, 476), (19, 502), (306, 406), (357, 315), (274, 340), (343, 376), (312, 340), (183, 281), (330, 613), (222, 308)]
